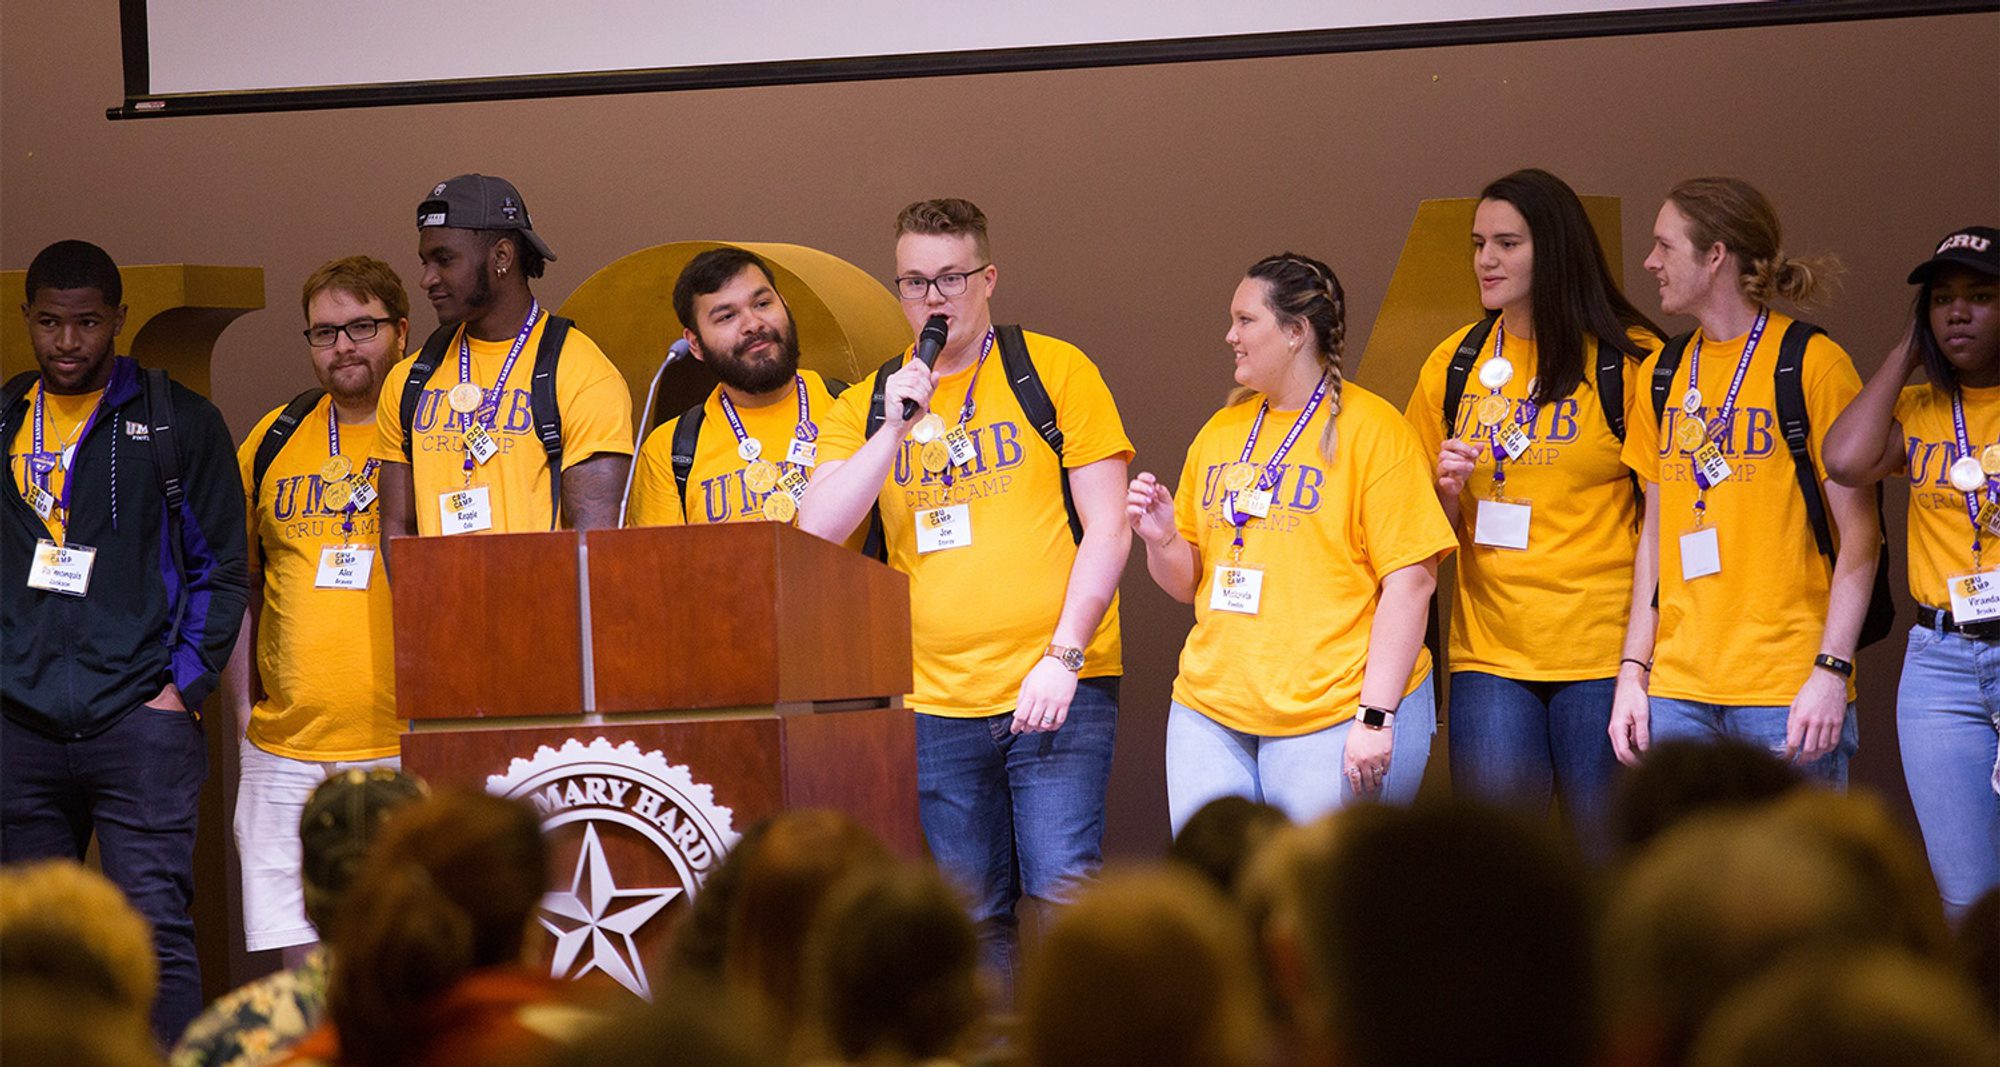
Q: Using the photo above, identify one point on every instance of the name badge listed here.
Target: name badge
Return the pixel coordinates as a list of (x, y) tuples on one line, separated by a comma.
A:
[(959, 444), (344, 567), (43, 501), (1255, 502), (1236, 589), (480, 444), (1710, 468), (467, 510), (61, 568), (793, 483), (1501, 524), (942, 528), (1701, 554), (1511, 439), (1975, 597), (802, 453), (362, 495)]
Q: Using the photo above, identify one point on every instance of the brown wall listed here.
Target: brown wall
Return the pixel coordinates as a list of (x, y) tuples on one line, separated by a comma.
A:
[(1125, 202)]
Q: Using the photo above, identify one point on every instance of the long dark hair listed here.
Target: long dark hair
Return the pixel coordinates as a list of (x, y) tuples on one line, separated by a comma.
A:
[(1572, 293), (1940, 370), (447, 889)]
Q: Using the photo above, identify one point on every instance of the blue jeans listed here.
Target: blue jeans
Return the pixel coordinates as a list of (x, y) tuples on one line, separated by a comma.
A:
[(1948, 720), (1760, 726), (136, 785), (1299, 775), (1516, 744), (1012, 815)]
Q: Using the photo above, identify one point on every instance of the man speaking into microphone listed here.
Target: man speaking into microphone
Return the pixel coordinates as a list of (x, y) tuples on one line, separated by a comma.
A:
[(1000, 475)]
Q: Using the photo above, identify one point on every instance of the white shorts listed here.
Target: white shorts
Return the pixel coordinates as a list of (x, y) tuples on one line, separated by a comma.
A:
[(271, 794)]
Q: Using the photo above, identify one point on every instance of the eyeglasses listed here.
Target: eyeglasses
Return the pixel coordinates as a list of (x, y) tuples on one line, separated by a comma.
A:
[(950, 283), (358, 331)]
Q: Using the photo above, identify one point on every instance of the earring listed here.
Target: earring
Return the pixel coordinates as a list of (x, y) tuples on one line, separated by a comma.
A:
[(503, 272)]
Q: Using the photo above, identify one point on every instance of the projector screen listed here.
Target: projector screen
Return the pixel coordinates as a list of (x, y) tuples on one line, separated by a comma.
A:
[(215, 56)]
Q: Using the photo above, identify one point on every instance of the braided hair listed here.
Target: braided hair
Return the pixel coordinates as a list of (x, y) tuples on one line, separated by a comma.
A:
[(1302, 289)]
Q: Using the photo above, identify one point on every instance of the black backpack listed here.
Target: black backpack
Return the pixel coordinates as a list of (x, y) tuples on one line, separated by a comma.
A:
[(277, 435), (1796, 426), (687, 438), (1035, 403), (166, 467), (1610, 377), (541, 396)]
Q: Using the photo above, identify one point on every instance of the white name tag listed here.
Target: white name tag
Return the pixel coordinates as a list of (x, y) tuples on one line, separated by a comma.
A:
[(1714, 469), (480, 444), (1511, 439), (942, 528), (960, 444), (61, 568), (1501, 524), (1701, 554), (1236, 589), (1255, 502), (363, 494), (803, 453), (43, 501), (467, 510), (1975, 597), (344, 567)]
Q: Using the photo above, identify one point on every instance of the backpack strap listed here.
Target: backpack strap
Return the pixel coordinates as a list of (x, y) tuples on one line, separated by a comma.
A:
[(16, 388), (167, 468), (687, 436), (547, 412), (426, 365), (834, 386), (1033, 397), (277, 435), (1461, 368), (1611, 386), (1796, 426), (1663, 373)]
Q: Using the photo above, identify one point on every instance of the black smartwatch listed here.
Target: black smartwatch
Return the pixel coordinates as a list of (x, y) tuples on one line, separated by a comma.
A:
[(1839, 666), (1375, 718)]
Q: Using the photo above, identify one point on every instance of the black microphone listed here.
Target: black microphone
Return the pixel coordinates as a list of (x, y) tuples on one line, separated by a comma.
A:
[(929, 343)]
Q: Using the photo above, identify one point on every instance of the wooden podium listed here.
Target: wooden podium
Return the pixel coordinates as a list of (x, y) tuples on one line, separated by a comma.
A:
[(653, 692)]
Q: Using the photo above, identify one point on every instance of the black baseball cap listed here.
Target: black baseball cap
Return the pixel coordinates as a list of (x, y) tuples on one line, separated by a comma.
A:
[(1977, 247), (479, 202), (340, 820)]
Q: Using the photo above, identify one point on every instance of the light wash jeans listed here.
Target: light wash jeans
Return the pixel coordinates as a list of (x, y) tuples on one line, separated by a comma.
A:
[(1299, 775), (1948, 720), (1761, 726)]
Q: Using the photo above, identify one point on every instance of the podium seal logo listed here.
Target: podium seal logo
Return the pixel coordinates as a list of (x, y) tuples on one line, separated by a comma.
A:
[(644, 834)]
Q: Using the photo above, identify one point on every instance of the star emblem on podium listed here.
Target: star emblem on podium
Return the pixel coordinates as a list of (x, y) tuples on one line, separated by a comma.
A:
[(598, 916)]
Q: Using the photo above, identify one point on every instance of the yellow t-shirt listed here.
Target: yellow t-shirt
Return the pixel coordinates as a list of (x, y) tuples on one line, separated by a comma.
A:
[(1940, 530), (982, 615), (1555, 611), (1745, 636), (716, 481), (325, 655), (596, 418), (62, 428), (1335, 528)]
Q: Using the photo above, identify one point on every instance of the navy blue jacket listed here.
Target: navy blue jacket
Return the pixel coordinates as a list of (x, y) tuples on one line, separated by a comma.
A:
[(72, 666)]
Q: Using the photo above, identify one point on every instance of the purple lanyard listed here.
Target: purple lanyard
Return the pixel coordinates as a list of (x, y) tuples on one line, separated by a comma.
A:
[(1965, 449), (489, 399), (804, 430), (41, 464), (333, 449), (985, 349), (1728, 407), (1268, 476), (1493, 435)]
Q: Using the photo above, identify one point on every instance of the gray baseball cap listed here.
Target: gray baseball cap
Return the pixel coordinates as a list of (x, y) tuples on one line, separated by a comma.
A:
[(479, 202)]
